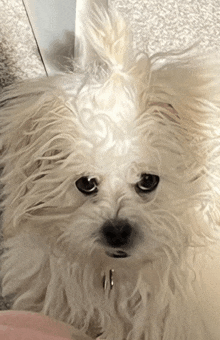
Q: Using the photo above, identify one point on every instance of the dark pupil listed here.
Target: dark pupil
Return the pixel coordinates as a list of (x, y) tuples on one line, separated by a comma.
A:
[(147, 181), (86, 185)]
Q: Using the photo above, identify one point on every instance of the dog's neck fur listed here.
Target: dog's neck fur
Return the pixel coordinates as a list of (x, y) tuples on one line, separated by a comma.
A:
[(144, 302)]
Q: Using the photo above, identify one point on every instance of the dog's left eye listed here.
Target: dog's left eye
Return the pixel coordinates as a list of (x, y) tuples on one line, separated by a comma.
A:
[(87, 185), (147, 183)]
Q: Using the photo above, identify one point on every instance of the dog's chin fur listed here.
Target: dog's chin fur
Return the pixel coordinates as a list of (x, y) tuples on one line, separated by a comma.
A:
[(118, 117)]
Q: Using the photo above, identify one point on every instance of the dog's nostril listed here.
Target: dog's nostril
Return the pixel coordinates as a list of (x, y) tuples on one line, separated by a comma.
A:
[(117, 233)]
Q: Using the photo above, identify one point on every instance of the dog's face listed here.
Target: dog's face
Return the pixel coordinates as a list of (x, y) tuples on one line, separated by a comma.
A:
[(103, 177), (112, 186), (99, 175)]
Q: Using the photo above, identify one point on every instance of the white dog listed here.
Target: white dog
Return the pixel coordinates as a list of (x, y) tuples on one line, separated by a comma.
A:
[(112, 192)]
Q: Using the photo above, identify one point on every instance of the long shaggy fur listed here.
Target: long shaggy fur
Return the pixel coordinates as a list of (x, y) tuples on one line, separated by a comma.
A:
[(122, 115)]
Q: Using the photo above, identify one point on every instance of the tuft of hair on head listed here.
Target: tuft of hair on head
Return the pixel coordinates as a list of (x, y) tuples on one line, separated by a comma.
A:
[(110, 37), (106, 41)]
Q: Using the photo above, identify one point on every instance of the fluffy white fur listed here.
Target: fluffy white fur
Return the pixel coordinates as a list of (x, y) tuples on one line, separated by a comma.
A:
[(122, 115)]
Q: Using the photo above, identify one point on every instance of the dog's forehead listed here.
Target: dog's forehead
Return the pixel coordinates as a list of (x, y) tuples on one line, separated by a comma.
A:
[(116, 131), (107, 116), (118, 148), (115, 99)]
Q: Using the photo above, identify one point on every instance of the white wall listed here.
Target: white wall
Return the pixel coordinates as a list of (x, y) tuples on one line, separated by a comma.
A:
[(53, 22)]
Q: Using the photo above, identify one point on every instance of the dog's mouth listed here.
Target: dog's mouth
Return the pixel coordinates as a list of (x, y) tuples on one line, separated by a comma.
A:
[(118, 254)]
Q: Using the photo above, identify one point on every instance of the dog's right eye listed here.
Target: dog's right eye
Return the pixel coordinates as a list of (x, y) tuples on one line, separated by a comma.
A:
[(87, 185)]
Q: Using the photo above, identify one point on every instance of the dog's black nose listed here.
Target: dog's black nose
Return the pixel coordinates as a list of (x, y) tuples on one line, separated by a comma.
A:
[(117, 233)]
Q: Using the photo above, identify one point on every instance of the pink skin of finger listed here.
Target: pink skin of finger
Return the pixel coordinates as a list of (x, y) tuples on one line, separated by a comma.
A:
[(25, 326)]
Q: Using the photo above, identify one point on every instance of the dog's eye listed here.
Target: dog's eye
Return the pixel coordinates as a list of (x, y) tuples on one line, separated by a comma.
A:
[(87, 185), (147, 183)]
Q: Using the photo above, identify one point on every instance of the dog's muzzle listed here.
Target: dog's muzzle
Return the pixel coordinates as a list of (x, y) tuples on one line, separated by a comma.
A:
[(117, 234)]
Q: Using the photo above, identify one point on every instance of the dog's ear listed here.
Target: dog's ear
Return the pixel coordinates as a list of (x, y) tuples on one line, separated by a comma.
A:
[(37, 136), (190, 83), (20, 106), (36, 128)]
